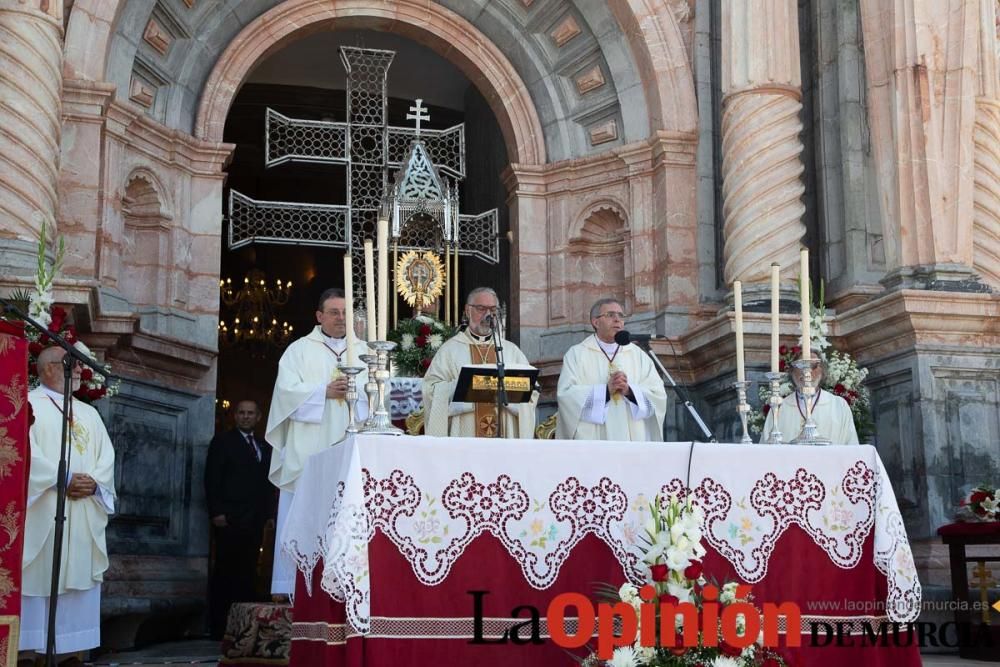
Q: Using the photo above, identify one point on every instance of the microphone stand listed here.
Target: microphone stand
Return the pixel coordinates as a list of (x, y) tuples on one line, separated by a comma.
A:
[(501, 384), (68, 361), (664, 373)]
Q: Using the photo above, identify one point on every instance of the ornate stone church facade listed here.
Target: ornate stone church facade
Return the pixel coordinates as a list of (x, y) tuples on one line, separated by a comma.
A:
[(656, 150)]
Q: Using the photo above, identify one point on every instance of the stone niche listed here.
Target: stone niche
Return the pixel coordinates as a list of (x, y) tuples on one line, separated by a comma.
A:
[(156, 585)]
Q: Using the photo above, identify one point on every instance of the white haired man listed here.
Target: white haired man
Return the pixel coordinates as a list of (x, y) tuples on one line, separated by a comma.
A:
[(474, 345)]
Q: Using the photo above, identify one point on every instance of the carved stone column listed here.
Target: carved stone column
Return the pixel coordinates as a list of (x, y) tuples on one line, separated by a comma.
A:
[(986, 155), (31, 34), (761, 165), (921, 59)]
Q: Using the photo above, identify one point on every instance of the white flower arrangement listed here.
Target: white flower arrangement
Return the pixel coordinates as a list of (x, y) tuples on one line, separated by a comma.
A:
[(673, 533)]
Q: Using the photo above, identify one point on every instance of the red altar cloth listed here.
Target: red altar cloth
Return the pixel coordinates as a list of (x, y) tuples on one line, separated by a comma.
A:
[(413, 622), (14, 458), (799, 573)]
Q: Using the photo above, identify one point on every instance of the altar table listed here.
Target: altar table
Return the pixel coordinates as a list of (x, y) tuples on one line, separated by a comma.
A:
[(391, 535)]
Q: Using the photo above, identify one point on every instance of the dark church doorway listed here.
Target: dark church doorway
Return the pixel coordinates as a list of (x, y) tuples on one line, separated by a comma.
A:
[(306, 80)]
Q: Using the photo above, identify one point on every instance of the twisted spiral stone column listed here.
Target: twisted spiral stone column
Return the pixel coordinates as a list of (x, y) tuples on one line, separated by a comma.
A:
[(762, 186), (986, 179), (30, 104)]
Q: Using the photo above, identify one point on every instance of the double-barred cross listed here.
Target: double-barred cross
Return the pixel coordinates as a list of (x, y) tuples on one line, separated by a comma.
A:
[(371, 151)]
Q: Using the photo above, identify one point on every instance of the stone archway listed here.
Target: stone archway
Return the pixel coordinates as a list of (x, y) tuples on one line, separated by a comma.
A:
[(426, 23)]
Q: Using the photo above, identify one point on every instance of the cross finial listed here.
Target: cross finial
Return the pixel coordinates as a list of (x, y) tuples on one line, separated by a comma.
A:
[(419, 114)]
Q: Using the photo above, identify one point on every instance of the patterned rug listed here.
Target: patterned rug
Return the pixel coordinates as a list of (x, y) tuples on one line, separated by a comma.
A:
[(257, 633)]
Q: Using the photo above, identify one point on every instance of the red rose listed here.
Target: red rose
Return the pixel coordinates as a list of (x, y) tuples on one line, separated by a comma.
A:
[(58, 319), (783, 350), (81, 393), (425, 362), (839, 389), (667, 598), (981, 511), (660, 572), (86, 374), (33, 368), (782, 365), (425, 330), (35, 349), (94, 394), (693, 571), (766, 408), (978, 497), (420, 341), (796, 351)]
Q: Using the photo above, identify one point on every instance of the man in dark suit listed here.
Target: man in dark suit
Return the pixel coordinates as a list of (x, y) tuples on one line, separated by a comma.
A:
[(240, 501)]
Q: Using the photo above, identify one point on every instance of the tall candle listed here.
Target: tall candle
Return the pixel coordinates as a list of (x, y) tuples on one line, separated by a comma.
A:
[(370, 289), (738, 299), (349, 308), (804, 297), (775, 319), (383, 278)]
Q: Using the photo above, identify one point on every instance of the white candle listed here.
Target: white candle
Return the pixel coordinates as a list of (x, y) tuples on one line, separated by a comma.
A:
[(775, 318), (370, 289), (738, 299), (804, 297), (383, 279), (349, 308)]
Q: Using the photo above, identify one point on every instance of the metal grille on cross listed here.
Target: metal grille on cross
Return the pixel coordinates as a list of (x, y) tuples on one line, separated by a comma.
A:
[(423, 217)]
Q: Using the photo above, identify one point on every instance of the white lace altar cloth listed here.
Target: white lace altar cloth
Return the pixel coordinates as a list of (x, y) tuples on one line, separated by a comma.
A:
[(433, 496), (404, 396)]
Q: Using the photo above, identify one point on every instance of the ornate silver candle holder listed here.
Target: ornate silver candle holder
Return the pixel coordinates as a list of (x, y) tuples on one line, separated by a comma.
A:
[(743, 408), (352, 395), (774, 400), (810, 434), (371, 388), (380, 423)]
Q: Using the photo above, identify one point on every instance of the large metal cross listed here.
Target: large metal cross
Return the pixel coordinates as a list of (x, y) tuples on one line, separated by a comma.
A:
[(371, 151)]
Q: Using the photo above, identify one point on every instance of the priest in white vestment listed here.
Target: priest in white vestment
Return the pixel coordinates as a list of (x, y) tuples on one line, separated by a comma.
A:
[(446, 417), (308, 412), (90, 499), (608, 391), (831, 413)]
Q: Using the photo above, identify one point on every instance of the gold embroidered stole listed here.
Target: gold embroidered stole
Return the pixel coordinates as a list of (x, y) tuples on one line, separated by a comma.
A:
[(486, 413)]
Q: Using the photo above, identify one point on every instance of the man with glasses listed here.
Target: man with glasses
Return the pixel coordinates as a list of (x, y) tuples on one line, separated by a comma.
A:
[(474, 345), (308, 411), (90, 499), (607, 391)]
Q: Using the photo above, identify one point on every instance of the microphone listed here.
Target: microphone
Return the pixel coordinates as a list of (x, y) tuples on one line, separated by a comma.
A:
[(490, 321), (623, 337)]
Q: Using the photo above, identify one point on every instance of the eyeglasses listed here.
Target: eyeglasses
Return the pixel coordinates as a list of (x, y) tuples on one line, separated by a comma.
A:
[(334, 313), (612, 316), (482, 310)]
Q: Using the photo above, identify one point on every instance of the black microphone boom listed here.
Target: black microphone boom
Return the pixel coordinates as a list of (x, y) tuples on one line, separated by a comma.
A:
[(623, 337)]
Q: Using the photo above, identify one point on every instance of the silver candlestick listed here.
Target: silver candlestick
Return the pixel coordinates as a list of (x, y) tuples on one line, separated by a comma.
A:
[(743, 408), (352, 395), (810, 434), (381, 422), (774, 400), (371, 388)]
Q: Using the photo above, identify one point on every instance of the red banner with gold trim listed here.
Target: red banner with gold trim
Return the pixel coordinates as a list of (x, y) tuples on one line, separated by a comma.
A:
[(14, 458)]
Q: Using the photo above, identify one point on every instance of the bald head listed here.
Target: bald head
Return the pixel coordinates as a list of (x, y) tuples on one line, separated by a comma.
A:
[(50, 355)]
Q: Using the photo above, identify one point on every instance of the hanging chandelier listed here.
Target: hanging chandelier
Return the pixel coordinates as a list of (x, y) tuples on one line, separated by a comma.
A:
[(250, 311)]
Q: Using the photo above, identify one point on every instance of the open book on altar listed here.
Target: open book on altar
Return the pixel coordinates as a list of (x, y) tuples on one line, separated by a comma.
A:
[(477, 383)]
